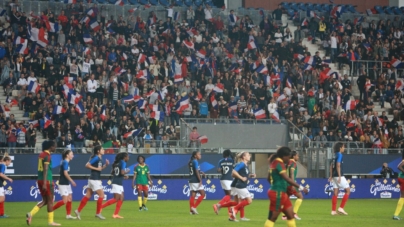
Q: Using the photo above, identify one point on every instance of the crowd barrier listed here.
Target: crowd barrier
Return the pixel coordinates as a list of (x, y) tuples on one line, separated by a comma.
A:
[(178, 189), (159, 164)]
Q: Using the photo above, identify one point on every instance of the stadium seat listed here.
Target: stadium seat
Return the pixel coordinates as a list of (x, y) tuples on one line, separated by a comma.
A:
[(188, 3), (290, 12), (209, 2), (198, 3), (402, 9), (154, 2), (352, 9), (285, 5), (379, 9), (165, 3), (144, 2), (294, 6), (325, 7), (388, 11), (101, 1), (133, 2), (318, 7), (397, 11), (302, 6), (178, 3), (310, 6)]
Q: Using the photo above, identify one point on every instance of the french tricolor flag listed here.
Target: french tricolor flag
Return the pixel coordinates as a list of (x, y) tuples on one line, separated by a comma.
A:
[(213, 101), (11, 102), (70, 1), (396, 63), (350, 105), (281, 98), (119, 3), (188, 44), (91, 12), (35, 123), (142, 104), (307, 67), (203, 139), (298, 56), (289, 83), (52, 27), (370, 12), (377, 143), (201, 53), (358, 20), (85, 20), (124, 57), (305, 22), (152, 59), (142, 58), (34, 87), (103, 114), (178, 78), (275, 116), (251, 45), (219, 88), (309, 60), (133, 133), (367, 46), (48, 121), (336, 11), (182, 104), (95, 25), (192, 32), (311, 13), (58, 110), (399, 85), (177, 16), (132, 10), (262, 69), (259, 113), (87, 38), (143, 74), (233, 105), (79, 108), (128, 98), (233, 18), (153, 107), (158, 115), (351, 124), (150, 93), (19, 40), (137, 98)]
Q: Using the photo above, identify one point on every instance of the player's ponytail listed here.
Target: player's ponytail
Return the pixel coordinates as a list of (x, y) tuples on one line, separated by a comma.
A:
[(193, 156), (5, 158), (293, 154), (65, 154)]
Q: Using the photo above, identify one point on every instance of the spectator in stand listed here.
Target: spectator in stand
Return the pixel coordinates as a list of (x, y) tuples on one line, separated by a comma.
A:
[(194, 138)]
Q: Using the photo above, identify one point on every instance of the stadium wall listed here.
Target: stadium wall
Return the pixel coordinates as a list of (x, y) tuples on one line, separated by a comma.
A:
[(177, 189), (361, 5)]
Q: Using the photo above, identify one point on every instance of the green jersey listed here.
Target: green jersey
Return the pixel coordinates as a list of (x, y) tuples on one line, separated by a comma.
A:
[(141, 174), (45, 158), (277, 182), (292, 168), (401, 174)]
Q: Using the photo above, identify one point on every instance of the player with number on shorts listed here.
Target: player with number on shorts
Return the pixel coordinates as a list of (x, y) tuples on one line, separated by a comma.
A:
[(142, 177)]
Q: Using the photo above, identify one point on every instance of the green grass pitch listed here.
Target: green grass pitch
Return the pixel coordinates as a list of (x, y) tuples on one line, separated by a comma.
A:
[(375, 212)]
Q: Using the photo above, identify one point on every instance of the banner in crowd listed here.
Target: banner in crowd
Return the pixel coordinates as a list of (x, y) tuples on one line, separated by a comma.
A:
[(178, 189), (159, 164)]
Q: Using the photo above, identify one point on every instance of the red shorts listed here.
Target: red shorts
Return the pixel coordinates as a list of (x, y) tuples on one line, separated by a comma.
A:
[(143, 188), (291, 191), (401, 183), (49, 188), (279, 201)]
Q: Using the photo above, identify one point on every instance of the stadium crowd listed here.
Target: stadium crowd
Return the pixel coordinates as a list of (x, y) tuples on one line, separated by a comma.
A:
[(82, 76)]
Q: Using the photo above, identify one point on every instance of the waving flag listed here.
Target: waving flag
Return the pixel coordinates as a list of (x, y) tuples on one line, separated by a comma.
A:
[(305, 22), (142, 104), (85, 20), (158, 115), (367, 46), (22, 48), (219, 88), (178, 78), (370, 12), (73, 98), (87, 38), (289, 83), (11, 102), (192, 32), (358, 20), (298, 56), (132, 10), (188, 44), (128, 98), (34, 87), (201, 53), (95, 25), (396, 63), (182, 104), (213, 101), (103, 114), (154, 107), (48, 121), (262, 69), (52, 27), (177, 16), (58, 110), (152, 59), (79, 108), (70, 1), (19, 40), (91, 12), (377, 143), (350, 105), (282, 98), (309, 60), (275, 116), (119, 3), (143, 74), (399, 84), (336, 11), (259, 113), (203, 139), (142, 58), (311, 13), (251, 45), (35, 123), (351, 124)]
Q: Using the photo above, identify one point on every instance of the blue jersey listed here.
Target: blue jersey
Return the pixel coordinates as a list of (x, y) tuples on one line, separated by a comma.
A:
[(242, 170), (226, 165), (337, 159), (117, 172), (96, 162), (64, 166), (233, 183), (3, 171), (193, 171)]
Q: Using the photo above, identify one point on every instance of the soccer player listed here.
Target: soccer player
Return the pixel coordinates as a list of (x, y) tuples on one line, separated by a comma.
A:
[(195, 182), (118, 172), (279, 180), (225, 167), (242, 173), (291, 190), (142, 177), (65, 188), (96, 165), (44, 182), (338, 180), (401, 182), (5, 161)]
